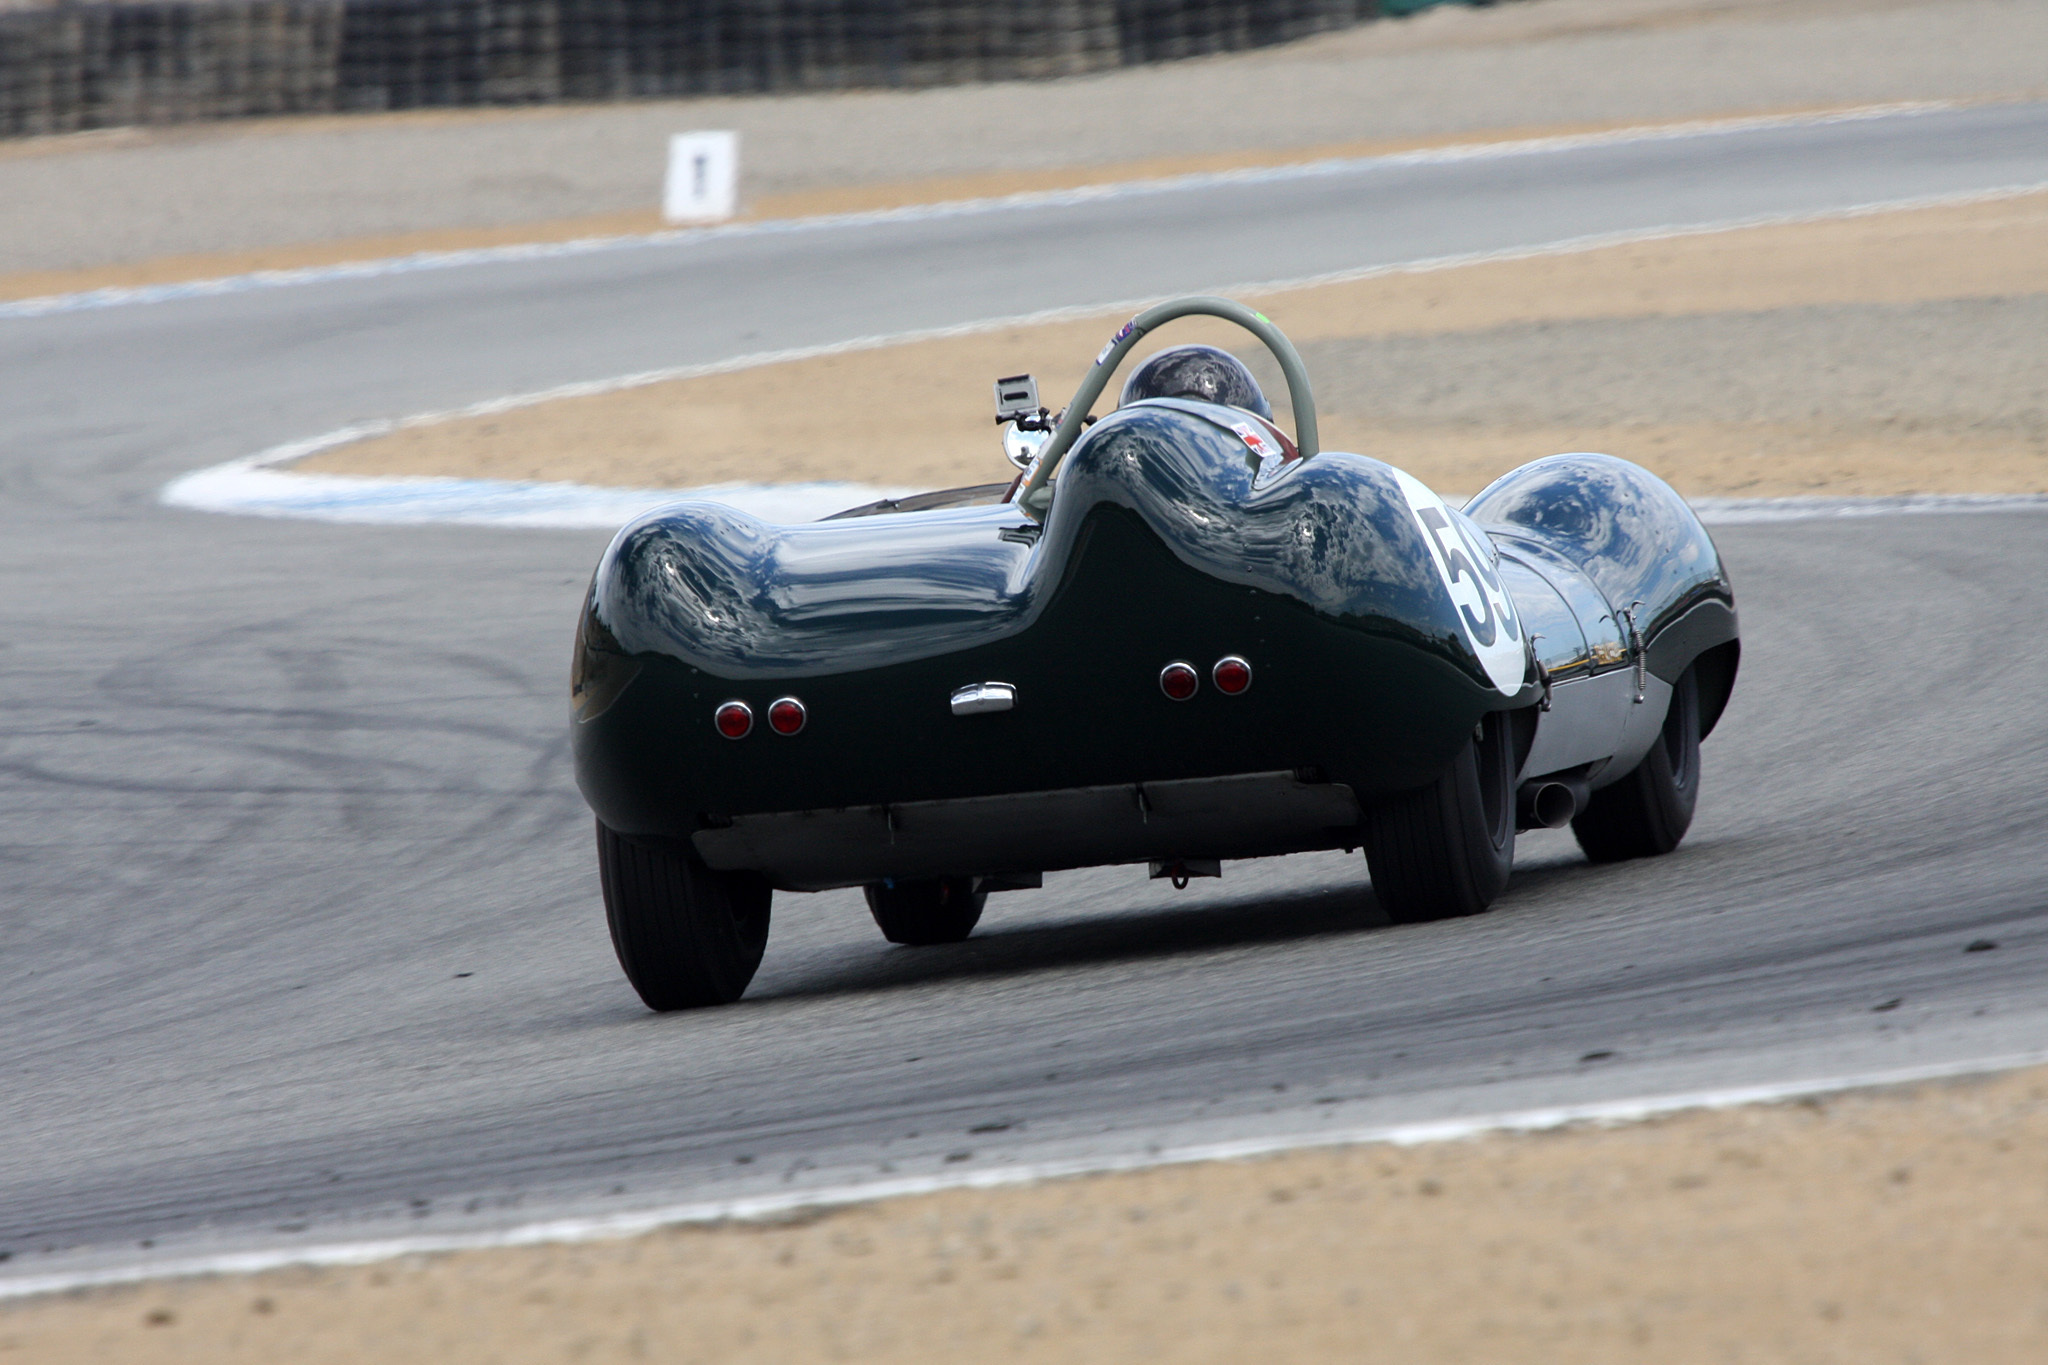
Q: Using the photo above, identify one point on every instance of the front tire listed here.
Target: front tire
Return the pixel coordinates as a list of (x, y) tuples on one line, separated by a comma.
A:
[(1649, 811), (921, 913), (1445, 850), (687, 936)]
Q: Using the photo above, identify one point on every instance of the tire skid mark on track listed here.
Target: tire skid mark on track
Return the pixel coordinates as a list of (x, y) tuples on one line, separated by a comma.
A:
[(584, 1228), (758, 1208)]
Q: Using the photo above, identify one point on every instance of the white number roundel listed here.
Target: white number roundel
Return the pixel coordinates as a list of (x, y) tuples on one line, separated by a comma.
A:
[(1465, 562)]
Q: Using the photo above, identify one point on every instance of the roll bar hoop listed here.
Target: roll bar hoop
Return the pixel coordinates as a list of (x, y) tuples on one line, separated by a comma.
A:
[(1036, 496)]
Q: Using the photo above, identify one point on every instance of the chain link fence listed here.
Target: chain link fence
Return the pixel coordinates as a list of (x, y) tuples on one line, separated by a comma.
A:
[(109, 63)]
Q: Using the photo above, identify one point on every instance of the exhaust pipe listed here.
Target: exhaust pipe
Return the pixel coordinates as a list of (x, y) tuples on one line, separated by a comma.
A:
[(1548, 804)]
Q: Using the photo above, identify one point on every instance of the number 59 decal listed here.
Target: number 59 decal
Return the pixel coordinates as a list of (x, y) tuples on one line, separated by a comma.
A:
[(1465, 564)]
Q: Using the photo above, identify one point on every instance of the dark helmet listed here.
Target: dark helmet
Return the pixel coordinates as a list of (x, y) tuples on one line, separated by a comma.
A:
[(1199, 372)]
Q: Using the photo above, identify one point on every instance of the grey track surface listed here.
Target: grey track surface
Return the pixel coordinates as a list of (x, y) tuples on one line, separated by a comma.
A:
[(301, 933), (125, 195)]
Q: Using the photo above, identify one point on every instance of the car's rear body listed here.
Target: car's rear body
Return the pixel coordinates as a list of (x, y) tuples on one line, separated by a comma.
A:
[(1173, 538)]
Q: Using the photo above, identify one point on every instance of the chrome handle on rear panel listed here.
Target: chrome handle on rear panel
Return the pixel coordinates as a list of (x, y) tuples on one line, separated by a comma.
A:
[(980, 698)]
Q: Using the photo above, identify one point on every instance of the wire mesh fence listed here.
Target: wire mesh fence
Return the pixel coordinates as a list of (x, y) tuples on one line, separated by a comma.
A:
[(106, 63)]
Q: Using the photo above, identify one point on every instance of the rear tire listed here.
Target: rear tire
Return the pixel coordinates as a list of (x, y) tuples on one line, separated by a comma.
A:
[(1649, 811), (1445, 850), (921, 913), (686, 935)]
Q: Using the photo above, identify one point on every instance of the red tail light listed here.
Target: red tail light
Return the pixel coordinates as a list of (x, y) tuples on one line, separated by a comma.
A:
[(735, 720), (1232, 674), (1179, 680), (786, 715)]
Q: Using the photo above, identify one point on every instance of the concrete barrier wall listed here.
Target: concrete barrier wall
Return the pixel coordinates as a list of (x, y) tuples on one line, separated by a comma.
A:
[(72, 66)]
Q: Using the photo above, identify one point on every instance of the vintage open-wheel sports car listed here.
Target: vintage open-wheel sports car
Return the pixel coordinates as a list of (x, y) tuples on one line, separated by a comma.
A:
[(1176, 638)]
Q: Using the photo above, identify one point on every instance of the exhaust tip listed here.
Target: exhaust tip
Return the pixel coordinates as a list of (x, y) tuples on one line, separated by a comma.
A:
[(1545, 805)]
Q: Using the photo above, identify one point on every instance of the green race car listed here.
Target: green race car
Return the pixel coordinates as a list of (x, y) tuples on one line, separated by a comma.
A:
[(1179, 637)]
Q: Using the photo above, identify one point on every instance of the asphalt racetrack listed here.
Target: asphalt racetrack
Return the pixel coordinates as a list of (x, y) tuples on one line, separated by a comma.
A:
[(301, 934)]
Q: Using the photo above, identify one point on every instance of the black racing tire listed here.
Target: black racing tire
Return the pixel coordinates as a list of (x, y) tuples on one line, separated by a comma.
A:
[(921, 913), (686, 935), (1445, 850), (1649, 811)]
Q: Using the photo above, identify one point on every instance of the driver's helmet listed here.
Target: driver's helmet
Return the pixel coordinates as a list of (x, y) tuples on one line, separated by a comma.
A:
[(1200, 372)]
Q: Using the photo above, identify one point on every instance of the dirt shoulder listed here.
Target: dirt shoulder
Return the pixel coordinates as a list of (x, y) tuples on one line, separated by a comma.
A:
[(126, 197), (1906, 1225), (1886, 354)]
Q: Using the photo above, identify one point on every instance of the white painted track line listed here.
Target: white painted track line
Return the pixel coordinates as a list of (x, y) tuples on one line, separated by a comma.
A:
[(1751, 511), (263, 485), (763, 1207), (122, 296)]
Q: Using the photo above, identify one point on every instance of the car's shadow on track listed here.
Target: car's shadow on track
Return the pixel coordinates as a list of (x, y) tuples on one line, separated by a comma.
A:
[(1137, 935), (1117, 936)]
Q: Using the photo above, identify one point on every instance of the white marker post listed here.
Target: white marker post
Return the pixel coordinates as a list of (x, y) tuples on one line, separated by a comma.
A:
[(703, 177)]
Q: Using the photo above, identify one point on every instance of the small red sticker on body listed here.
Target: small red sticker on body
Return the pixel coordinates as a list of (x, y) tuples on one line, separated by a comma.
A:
[(1125, 331)]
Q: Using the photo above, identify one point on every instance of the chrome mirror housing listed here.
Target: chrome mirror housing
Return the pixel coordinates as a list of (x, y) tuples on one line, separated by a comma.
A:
[(1022, 446)]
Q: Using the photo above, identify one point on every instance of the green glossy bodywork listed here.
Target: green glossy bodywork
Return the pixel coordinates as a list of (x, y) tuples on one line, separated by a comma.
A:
[(1171, 537), (1158, 548)]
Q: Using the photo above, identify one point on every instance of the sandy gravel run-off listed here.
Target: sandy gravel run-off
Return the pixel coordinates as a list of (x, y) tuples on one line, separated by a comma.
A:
[(1906, 1225), (1878, 355)]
